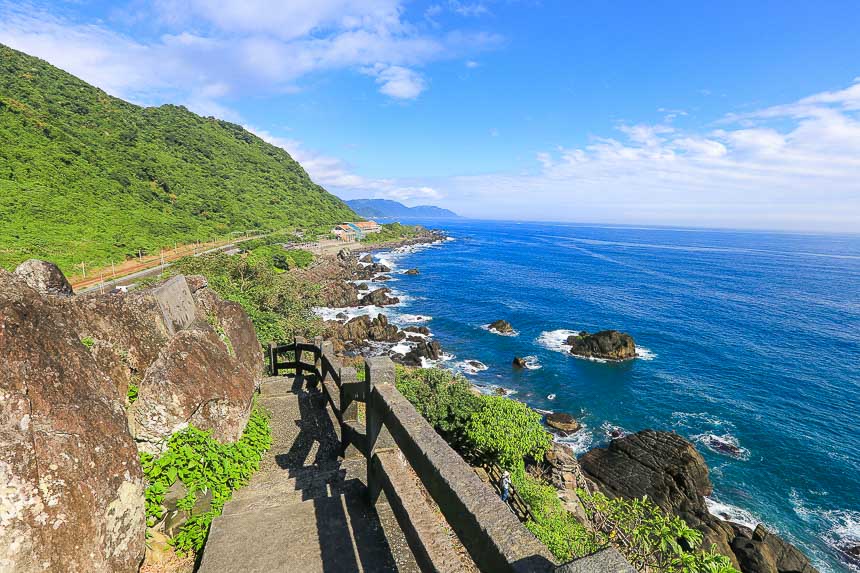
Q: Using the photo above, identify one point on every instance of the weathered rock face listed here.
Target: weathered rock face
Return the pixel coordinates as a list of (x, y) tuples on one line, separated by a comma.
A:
[(411, 272), (369, 271), (763, 551), (518, 362), (357, 331), (606, 344), (235, 329), (662, 465), (562, 423), (178, 389), (669, 470), (73, 498), (378, 297), (502, 327), (368, 258), (338, 294), (44, 277)]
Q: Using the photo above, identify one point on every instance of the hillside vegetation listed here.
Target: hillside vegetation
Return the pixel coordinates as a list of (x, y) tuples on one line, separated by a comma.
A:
[(88, 177), (386, 208)]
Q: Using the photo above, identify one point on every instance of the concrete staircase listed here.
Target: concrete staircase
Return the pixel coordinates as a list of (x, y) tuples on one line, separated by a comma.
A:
[(305, 510)]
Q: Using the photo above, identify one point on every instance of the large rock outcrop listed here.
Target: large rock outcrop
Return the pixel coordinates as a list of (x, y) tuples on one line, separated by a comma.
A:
[(44, 277), (73, 488), (605, 345), (72, 493), (668, 469)]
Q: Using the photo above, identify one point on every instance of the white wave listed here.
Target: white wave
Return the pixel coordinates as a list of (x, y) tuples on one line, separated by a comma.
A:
[(731, 513), (494, 331), (580, 441), (696, 418), (725, 444), (840, 527), (556, 339), (471, 367), (551, 397), (644, 354), (612, 431), (415, 318), (428, 363), (542, 411), (401, 348), (532, 363)]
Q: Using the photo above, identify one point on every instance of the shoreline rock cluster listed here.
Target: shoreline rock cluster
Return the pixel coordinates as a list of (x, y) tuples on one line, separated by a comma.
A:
[(69, 434)]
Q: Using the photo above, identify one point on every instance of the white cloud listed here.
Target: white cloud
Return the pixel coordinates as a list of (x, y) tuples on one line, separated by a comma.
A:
[(240, 47), (472, 64), (789, 166), (397, 81)]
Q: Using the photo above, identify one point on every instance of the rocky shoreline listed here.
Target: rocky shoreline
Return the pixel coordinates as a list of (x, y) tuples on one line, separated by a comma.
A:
[(662, 465)]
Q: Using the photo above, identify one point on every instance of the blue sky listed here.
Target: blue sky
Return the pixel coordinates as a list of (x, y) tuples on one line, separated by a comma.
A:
[(723, 114)]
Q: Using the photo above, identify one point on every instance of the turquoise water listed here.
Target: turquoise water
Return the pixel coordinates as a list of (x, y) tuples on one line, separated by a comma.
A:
[(749, 339)]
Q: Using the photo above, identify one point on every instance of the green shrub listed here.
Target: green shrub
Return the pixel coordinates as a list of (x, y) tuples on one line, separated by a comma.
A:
[(507, 431), (202, 464), (279, 304), (650, 539), (444, 399), (88, 341)]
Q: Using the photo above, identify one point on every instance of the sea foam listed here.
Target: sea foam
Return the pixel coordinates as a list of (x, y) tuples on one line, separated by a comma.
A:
[(731, 513)]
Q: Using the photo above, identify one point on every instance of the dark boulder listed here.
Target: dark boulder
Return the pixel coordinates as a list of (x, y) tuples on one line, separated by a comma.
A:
[(501, 327), (563, 424), (411, 272), (381, 279), (518, 362), (668, 469), (368, 258), (418, 329), (606, 344), (378, 297), (765, 552), (381, 330), (422, 350), (44, 277)]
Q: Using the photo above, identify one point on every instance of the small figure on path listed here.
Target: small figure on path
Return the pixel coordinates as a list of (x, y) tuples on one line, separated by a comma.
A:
[(506, 485)]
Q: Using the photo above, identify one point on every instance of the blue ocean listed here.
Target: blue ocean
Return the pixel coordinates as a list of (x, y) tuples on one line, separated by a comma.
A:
[(749, 347)]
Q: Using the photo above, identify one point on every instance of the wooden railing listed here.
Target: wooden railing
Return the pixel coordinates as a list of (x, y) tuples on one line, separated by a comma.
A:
[(492, 534)]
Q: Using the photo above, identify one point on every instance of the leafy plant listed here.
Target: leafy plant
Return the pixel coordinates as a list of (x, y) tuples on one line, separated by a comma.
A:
[(132, 393), (650, 539), (88, 341), (203, 464), (508, 431), (445, 400), (556, 527)]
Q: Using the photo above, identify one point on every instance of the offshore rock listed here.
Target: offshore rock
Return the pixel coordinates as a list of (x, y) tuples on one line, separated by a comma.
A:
[(44, 277), (518, 362), (501, 327), (378, 297), (606, 344), (422, 350), (411, 272), (368, 258), (766, 552), (73, 488), (562, 423)]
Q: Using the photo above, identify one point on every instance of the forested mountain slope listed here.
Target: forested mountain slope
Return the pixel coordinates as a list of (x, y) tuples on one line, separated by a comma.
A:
[(88, 177)]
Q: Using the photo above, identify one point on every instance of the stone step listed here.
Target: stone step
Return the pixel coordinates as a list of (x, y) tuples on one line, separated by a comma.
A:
[(331, 534)]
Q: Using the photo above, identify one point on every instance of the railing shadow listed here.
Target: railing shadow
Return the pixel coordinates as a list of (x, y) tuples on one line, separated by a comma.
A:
[(348, 527)]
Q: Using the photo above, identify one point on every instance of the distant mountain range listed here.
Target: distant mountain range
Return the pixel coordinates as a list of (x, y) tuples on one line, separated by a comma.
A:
[(386, 208)]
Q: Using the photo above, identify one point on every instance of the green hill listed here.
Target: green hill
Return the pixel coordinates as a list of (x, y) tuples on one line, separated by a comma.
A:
[(88, 177)]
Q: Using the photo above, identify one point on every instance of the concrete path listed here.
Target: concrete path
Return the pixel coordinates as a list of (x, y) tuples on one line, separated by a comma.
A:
[(305, 510)]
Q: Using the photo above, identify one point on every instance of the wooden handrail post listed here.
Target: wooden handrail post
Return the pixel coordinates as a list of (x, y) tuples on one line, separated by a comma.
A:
[(273, 365), (378, 370), (298, 352)]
